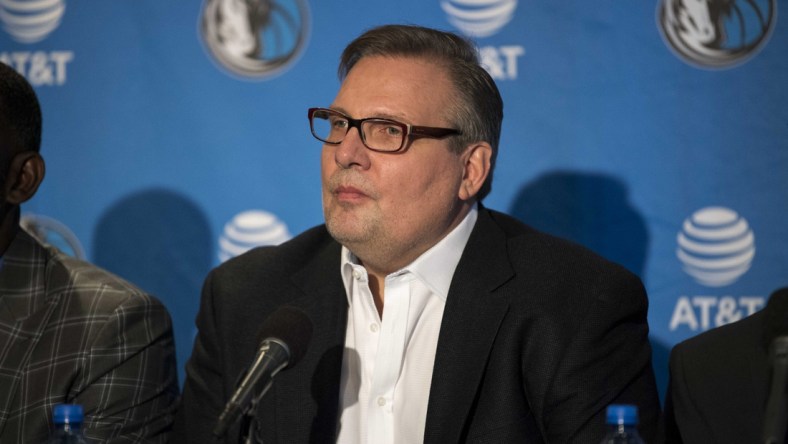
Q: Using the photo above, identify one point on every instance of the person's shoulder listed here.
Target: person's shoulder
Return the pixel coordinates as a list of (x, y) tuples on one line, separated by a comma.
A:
[(68, 277), (732, 358), (552, 254), (521, 234), (747, 331), (280, 258), (66, 272)]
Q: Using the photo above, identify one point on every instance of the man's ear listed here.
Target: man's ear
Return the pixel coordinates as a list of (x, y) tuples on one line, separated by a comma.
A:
[(24, 176), (477, 167)]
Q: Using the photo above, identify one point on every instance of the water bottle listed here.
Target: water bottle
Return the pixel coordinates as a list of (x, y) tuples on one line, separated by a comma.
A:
[(622, 423), (68, 425)]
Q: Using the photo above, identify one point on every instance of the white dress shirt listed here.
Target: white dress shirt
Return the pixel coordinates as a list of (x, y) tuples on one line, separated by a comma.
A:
[(387, 363)]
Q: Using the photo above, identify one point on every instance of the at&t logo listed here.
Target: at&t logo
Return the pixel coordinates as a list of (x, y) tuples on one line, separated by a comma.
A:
[(716, 33), (699, 313), (29, 22), (255, 39), (253, 228), (485, 18), (716, 247), (479, 18)]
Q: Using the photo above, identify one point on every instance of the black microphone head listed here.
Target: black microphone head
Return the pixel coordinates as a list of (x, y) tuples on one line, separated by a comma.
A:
[(291, 326), (776, 316)]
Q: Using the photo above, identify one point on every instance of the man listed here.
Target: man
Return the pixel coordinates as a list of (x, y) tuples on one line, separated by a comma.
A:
[(720, 379), (435, 319), (70, 332)]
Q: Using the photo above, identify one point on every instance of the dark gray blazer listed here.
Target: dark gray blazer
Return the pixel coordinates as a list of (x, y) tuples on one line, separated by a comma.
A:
[(538, 337), (719, 384), (73, 333)]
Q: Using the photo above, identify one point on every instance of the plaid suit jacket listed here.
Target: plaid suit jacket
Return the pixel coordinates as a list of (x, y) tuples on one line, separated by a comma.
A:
[(73, 333)]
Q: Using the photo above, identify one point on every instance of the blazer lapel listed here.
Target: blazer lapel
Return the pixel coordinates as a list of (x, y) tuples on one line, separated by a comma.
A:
[(470, 324), (324, 301)]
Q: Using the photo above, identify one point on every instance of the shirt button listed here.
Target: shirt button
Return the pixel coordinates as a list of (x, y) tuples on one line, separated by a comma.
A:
[(373, 328), (356, 274), (381, 401)]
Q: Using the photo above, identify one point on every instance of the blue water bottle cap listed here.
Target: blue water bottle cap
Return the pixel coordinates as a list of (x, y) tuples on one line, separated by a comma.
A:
[(622, 414), (68, 414)]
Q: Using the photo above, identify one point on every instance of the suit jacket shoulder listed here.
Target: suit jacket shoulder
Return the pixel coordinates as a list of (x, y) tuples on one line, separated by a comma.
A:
[(276, 261), (71, 331), (719, 384), (533, 249)]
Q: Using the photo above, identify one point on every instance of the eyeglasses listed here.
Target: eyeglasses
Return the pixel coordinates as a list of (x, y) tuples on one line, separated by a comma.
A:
[(384, 135)]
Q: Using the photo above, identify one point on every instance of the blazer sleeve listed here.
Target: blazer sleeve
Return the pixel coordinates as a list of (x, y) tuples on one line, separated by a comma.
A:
[(129, 385), (607, 361)]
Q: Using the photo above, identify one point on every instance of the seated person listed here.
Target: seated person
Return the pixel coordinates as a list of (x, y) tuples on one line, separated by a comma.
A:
[(435, 319), (69, 331), (720, 379)]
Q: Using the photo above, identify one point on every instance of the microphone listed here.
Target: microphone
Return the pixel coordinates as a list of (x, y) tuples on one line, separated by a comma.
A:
[(776, 337), (284, 337)]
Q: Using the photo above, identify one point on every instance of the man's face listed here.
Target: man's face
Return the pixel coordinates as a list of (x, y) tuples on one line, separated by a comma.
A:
[(389, 208)]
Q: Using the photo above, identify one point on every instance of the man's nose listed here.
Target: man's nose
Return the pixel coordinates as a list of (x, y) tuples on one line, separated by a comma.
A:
[(351, 151)]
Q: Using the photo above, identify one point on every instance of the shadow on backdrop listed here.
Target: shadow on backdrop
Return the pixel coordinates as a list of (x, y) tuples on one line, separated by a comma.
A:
[(592, 210), (160, 241)]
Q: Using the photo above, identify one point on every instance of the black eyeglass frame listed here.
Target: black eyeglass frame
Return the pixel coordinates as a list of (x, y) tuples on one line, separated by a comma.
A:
[(409, 131)]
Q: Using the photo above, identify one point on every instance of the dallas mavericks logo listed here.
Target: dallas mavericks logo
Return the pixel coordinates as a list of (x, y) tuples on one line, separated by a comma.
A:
[(52, 232), (255, 38), (479, 18), (251, 229), (716, 33), (716, 246), (31, 21)]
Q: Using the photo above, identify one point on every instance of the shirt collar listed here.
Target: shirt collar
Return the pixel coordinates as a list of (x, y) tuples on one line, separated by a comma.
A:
[(435, 267)]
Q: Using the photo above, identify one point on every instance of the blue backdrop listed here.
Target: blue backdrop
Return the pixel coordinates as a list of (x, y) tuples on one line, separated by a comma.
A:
[(656, 133)]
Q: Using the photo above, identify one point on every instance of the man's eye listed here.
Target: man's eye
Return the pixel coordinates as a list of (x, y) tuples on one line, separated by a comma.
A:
[(393, 130), (384, 129), (339, 123)]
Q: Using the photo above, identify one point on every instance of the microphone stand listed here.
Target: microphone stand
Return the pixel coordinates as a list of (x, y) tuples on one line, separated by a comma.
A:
[(776, 420), (248, 428), (248, 421)]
